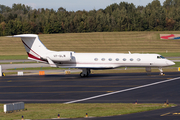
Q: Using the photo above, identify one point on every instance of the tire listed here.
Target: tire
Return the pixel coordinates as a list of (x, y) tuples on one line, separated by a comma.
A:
[(81, 74)]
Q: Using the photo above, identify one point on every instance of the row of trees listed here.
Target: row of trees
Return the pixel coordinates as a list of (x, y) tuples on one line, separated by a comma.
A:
[(117, 17)]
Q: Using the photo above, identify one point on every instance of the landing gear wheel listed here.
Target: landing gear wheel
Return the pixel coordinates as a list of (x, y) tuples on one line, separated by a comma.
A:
[(82, 75), (162, 74), (85, 72)]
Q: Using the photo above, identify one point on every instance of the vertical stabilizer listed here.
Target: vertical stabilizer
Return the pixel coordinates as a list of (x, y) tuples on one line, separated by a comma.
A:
[(34, 47)]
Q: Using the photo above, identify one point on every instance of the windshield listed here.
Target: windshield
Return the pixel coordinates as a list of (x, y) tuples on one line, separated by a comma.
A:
[(161, 57)]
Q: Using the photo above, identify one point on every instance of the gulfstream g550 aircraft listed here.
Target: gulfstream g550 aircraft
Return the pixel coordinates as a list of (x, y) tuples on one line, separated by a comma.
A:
[(88, 61)]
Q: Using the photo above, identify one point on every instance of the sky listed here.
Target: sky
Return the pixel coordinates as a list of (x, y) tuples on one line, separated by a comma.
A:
[(74, 5)]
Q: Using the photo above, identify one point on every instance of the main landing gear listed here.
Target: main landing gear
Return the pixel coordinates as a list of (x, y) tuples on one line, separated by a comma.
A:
[(85, 72)]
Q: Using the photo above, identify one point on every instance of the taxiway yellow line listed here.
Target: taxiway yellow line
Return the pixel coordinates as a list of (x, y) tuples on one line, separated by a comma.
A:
[(165, 114)]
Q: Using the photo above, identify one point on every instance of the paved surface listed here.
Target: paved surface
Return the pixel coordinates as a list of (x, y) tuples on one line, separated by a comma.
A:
[(67, 88), (6, 61), (14, 66), (32, 72)]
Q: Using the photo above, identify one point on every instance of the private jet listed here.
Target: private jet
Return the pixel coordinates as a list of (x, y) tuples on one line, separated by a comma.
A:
[(89, 61)]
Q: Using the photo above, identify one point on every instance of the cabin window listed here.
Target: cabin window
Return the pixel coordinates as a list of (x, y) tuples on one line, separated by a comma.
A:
[(117, 59), (131, 59), (103, 59), (110, 59), (96, 59), (138, 59), (124, 59)]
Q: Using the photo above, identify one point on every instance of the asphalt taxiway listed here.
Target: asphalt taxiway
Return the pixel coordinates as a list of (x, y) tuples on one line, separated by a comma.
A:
[(67, 88), (97, 88)]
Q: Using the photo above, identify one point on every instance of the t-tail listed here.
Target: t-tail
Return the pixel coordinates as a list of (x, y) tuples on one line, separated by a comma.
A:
[(38, 52), (34, 47)]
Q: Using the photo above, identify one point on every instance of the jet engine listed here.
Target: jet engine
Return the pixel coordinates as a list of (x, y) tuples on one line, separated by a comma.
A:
[(60, 56)]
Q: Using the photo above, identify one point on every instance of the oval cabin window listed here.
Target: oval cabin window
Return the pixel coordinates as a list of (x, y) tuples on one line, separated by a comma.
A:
[(96, 59), (138, 59), (124, 59), (103, 59)]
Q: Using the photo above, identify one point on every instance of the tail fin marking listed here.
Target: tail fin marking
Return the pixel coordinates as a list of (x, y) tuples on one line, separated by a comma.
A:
[(31, 53)]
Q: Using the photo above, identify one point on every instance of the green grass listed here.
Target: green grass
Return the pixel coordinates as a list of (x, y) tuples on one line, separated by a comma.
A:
[(13, 57), (170, 54), (47, 111), (176, 65), (103, 42), (10, 73)]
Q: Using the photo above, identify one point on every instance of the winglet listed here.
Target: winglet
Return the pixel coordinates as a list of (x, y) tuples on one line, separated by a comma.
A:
[(51, 63)]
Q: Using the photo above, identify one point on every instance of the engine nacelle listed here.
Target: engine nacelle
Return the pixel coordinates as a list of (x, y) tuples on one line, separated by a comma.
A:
[(60, 56)]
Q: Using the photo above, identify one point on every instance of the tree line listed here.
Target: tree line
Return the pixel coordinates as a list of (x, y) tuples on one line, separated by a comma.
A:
[(22, 19)]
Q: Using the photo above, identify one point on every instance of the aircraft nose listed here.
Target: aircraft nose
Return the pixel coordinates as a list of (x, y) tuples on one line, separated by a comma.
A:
[(170, 63)]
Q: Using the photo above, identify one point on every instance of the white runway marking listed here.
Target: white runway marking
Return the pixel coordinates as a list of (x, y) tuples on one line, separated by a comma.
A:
[(98, 96)]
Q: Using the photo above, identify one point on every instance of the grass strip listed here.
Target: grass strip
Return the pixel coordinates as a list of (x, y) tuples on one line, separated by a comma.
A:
[(170, 54), (13, 57), (48, 111), (98, 42)]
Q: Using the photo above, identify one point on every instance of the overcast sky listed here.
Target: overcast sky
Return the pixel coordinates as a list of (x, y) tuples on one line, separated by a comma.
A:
[(74, 5)]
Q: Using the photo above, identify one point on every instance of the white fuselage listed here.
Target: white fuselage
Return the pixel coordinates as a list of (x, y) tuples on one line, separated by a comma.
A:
[(113, 60)]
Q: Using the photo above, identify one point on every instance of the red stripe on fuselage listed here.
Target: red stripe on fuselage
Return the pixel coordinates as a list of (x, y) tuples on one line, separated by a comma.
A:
[(33, 57), (30, 55)]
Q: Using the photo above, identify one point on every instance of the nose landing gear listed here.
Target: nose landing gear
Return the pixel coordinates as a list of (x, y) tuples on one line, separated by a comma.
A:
[(161, 71), (148, 70)]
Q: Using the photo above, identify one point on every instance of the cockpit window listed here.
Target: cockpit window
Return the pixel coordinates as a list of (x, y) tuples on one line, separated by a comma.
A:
[(160, 57)]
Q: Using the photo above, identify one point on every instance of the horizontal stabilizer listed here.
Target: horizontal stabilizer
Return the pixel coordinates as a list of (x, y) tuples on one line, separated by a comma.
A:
[(51, 63), (26, 36)]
